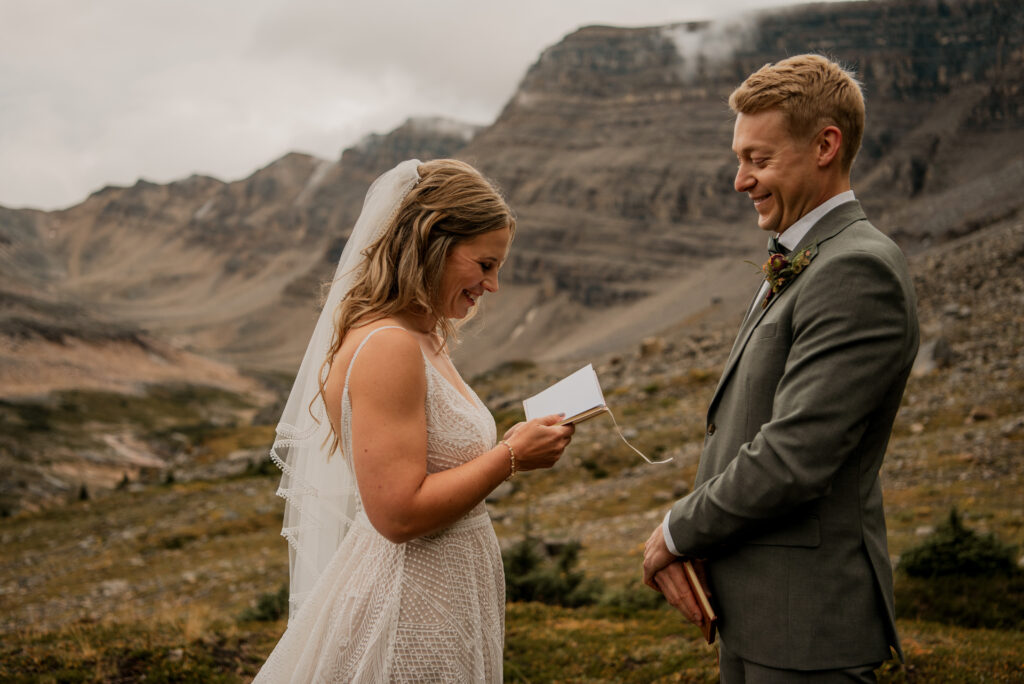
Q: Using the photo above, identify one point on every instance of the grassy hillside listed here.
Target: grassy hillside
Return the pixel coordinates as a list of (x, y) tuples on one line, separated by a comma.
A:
[(154, 580)]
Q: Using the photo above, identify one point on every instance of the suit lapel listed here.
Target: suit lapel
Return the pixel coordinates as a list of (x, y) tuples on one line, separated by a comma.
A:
[(830, 225), (746, 330)]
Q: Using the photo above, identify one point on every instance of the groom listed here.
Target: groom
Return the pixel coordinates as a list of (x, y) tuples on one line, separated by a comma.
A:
[(787, 504)]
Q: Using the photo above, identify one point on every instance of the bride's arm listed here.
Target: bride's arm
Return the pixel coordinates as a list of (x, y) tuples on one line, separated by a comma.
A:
[(387, 388)]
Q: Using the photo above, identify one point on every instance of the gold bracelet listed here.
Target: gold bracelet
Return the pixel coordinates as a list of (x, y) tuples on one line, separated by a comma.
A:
[(511, 458)]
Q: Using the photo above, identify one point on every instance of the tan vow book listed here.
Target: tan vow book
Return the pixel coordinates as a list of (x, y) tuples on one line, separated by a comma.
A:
[(697, 589)]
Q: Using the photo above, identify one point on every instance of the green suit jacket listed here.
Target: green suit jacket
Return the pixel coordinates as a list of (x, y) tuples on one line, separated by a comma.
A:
[(787, 503)]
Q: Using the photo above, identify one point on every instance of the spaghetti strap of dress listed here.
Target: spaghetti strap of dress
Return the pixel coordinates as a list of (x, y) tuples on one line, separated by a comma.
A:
[(348, 371)]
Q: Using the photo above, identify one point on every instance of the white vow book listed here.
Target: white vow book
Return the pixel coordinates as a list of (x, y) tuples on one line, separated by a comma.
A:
[(579, 397)]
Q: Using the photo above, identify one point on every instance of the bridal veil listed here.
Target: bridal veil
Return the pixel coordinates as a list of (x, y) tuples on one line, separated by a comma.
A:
[(319, 491)]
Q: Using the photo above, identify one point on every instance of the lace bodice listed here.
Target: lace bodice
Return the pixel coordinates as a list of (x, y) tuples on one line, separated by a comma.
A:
[(458, 429)]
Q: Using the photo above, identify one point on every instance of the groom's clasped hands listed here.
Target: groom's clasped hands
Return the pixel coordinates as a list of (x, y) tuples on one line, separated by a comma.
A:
[(663, 572)]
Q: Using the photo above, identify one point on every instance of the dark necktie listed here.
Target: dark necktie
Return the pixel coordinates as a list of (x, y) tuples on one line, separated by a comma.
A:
[(774, 247)]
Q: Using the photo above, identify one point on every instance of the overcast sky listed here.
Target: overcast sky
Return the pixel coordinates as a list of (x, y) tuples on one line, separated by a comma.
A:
[(98, 92)]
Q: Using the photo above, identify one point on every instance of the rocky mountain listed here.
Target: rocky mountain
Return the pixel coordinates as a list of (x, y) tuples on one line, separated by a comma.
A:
[(148, 316), (231, 270), (614, 152)]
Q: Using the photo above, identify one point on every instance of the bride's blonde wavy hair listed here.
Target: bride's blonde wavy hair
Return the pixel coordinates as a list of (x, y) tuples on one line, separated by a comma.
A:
[(402, 269)]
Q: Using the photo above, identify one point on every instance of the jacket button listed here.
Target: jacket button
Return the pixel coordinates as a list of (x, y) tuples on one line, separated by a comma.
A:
[(711, 429)]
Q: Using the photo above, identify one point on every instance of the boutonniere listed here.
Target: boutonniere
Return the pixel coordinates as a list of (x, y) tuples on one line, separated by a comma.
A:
[(780, 269)]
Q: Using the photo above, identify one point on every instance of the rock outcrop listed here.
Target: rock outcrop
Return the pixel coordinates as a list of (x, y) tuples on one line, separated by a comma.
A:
[(614, 151)]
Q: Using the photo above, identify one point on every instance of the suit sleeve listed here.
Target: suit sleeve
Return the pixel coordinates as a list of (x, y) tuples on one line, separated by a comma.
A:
[(851, 342)]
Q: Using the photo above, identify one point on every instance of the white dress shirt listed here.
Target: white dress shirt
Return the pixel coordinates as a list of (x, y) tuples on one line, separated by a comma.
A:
[(789, 239)]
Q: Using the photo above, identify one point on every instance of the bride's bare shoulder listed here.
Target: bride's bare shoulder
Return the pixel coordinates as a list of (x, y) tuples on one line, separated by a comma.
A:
[(388, 366), (393, 353), (391, 343)]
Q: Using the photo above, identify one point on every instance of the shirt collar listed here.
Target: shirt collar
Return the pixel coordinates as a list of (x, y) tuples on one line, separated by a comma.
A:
[(792, 236)]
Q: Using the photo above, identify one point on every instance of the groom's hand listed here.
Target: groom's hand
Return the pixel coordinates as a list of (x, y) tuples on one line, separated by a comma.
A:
[(656, 557), (676, 589)]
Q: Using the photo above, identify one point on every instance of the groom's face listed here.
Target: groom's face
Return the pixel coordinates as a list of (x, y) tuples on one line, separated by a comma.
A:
[(778, 172)]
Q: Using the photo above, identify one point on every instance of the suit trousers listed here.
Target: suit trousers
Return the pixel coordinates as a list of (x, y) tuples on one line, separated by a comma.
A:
[(735, 670)]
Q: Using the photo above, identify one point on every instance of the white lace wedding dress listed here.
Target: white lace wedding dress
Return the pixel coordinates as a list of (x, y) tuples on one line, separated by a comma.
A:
[(428, 610)]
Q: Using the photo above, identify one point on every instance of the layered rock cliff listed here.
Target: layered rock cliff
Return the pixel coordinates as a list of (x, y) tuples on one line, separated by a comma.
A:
[(232, 270), (621, 136), (614, 151)]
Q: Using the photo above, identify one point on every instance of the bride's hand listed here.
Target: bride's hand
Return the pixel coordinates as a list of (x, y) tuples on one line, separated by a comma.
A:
[(540, 442), (512, 430)]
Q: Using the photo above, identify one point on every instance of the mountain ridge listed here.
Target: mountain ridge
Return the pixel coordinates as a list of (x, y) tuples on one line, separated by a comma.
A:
[(614, 153)]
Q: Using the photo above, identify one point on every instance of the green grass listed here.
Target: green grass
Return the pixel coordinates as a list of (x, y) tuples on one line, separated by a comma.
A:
[(192, 649), (165, 415), (172, 628), (153, 582), (554, 644), (543, 644), (155, 405)]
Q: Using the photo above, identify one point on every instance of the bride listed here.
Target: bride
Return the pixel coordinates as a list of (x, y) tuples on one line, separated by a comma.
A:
[(387, 454)]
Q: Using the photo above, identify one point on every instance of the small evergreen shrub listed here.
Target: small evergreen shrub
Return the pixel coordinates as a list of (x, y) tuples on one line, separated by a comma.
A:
[(264, 467), (959, 577), (592, 466), (177, 541), (269, 607), (532, 573), (954, 550)]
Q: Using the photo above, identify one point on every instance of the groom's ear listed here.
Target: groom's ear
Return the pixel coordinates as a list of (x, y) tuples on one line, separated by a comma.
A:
[(827, 146)]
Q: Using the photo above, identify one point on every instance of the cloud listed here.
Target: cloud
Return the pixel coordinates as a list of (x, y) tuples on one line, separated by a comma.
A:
[(107, 91), (705, 46)]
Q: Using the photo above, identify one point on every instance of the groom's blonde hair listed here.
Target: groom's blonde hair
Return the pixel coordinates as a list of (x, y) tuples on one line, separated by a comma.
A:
[(813, 92)]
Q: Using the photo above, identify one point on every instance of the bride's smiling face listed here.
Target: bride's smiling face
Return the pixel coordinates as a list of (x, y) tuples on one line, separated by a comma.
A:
[(471, 269)]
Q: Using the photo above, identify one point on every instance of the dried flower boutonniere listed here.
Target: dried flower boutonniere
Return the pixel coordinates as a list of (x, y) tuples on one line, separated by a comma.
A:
[(779, 270)]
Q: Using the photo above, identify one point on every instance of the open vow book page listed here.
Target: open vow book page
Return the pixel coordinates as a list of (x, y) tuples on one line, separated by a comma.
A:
[(579, 398)]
